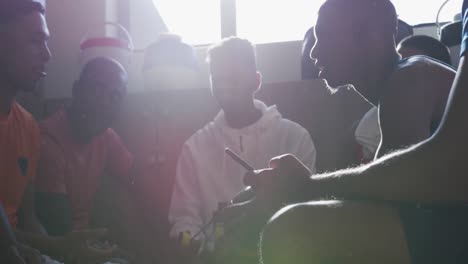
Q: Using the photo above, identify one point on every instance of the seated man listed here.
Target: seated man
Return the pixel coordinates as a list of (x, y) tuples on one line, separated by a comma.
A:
[(78, 144), (431, 172), (78, 147), (24, 53), (206, 176)]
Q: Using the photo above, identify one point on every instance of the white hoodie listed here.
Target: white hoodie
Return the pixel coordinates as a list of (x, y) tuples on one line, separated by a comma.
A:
[(206, 176), (368, 134)]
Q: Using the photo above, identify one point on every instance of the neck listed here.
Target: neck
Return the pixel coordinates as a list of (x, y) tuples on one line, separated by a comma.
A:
[(376, 78), (245, 116), (7, 95), (77, 122)]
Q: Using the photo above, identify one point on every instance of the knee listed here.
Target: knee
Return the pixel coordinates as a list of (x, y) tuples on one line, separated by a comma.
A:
[(334, 231)]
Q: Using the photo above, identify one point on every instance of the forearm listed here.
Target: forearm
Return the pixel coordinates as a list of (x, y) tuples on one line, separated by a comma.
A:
[(183, 215), (41, 242), (48, 245), (424, 173), (7, 236), (28, 222)]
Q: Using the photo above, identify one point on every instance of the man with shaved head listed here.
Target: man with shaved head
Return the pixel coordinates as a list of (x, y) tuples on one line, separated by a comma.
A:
[(356, 46), (407, 207), (78, 147)]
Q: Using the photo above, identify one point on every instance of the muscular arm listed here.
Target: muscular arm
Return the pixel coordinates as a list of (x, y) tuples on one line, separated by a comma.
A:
[(405, 109), (7, 236), (30, 231), (8, 243), (433, 171)]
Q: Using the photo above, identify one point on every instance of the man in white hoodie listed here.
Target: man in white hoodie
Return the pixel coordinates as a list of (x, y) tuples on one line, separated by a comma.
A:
[(206, 176)]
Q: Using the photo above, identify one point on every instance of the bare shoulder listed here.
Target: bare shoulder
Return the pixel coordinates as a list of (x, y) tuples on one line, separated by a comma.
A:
[(422, 71), (419, 76)]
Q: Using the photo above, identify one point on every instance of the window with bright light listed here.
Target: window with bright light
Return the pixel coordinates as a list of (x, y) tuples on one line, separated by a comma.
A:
[(196, 21), (263, 21), (416, 12)]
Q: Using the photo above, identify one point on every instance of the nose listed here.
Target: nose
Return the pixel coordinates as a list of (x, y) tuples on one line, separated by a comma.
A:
[(315, 51), (106, 101)]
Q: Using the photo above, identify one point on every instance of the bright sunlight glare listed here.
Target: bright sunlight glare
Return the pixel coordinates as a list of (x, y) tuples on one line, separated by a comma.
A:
[(197, 22), (263, 21), (425, 11)]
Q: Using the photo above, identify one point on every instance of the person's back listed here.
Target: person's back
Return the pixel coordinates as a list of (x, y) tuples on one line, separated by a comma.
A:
[(412, 101), (206, 176), (415, 50)]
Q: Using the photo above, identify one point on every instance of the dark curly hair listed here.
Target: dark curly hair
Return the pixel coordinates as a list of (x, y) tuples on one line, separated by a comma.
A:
[(11, 10)]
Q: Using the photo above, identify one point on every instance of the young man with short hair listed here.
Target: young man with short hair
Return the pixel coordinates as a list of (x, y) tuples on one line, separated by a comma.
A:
[(24, 54), (206, 176)]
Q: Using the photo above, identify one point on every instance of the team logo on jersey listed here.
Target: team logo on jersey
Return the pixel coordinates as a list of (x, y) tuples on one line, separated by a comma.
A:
[(23, 165)]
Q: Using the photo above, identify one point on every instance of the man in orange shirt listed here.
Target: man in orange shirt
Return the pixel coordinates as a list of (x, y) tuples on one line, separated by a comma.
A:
[(78, 146), (23, 55)]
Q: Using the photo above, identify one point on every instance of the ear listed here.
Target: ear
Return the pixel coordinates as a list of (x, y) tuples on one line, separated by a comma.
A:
[(258, 80)]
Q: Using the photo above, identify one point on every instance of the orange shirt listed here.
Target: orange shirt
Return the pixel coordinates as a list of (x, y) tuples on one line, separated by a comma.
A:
[(19, 153), (75, 169)]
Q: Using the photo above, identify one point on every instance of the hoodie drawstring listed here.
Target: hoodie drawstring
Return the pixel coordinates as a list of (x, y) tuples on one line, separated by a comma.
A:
[(241, 145)]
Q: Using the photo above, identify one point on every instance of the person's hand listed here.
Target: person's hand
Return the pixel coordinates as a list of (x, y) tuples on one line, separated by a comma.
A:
[(10, 254), (81, 246), (186, 250), (29, 255), (280, 183)]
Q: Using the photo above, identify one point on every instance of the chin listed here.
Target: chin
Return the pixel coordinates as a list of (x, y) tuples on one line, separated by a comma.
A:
[(334, 86), (331, 83), (28, 87), (96, 132), (228, 107)]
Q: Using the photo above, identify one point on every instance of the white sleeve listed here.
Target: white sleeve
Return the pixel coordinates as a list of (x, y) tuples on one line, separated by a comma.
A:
[(300, 144), (306, 151), (367, 132), (184, 212)]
